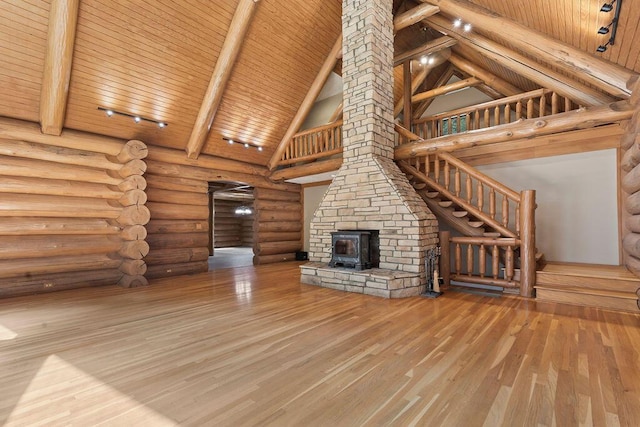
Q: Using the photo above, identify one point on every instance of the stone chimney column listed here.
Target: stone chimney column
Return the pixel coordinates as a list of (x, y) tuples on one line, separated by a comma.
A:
[(367, 72)]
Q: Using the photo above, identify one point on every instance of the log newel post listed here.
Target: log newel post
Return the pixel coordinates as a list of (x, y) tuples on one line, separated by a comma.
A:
[(134, 215), (445, 257), (527, 242)]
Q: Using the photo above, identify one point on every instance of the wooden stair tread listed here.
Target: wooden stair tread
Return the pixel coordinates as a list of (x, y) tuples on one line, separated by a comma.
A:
[(432, 194), (476, 224), (615, 272), (599, 292), (459, 214), (445, 203)]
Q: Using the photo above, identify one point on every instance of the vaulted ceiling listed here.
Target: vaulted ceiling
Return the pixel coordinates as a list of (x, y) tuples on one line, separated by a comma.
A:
[(155, 59)]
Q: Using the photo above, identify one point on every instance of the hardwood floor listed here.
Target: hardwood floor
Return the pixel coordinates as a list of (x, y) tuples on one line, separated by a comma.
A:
[(252, 346)]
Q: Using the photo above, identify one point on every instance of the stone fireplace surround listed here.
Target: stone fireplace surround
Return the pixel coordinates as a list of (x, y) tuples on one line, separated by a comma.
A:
[(369, 192)]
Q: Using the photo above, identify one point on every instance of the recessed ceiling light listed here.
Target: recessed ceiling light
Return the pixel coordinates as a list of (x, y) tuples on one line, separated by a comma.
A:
[(457, 23)]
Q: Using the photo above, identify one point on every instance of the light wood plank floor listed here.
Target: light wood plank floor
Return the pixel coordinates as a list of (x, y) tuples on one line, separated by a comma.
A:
[(252, 346)]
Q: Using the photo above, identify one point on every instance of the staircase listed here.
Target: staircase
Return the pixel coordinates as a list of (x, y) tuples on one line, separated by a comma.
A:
[(497, 223), (497, 247)]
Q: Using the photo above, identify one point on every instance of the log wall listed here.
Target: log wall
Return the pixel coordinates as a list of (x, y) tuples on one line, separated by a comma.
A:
[(277, 225), (178, 230), (70, 217), (231, 230)]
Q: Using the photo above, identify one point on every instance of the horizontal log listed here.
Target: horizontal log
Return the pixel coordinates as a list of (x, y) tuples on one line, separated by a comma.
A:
[(633, 264), (179, 269), (58, 187), (133, 267), (177, 197), (134, 232), (522, 128), (278, 236), (27, 131), (631, 181), (36, 205), (184, 240), (176, 226), (273, 215), (176, 183), (64, 156), (173, 211), (321, 166), (25, 226), (211, 175), (58, 281), (133, 182), (631, 157), (127, 281), (168, 155), (134, 215), (132, 167), (276, 205), (132, 150), (266, 194), (267, 227), (133, 249), (633, 223), (16, 247), (14, 166), (631, 244), (56, 264), (485, 280), (273, 248), (176, 256), (632, 203), (133, 197), (271, 259)]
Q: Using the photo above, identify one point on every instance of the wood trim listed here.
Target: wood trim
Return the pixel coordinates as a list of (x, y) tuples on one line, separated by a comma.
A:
[(63, 19), (462, 84), (308, 101), (491, 80), (221, 73), (602, 74)]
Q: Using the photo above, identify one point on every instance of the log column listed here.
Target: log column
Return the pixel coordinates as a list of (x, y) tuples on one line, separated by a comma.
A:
[(135, 215)]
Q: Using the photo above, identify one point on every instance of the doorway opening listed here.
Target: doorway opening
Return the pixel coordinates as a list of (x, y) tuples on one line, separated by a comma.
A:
[(231, 217)]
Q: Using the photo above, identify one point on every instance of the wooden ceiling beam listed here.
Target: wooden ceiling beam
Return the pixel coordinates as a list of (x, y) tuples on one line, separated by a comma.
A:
[(583, 118), (413, 16), (307, 102), (428, 48), (220, 76), (442, 80), (491, 80), (602, 74), (528, 68), (462, 84), (416, 81), (63, 19)]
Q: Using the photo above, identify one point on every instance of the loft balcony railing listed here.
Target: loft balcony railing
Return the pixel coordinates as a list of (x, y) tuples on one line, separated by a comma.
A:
[(529, 105)]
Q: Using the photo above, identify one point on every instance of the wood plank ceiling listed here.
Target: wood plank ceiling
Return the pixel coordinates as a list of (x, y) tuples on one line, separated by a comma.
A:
[(155, 59)]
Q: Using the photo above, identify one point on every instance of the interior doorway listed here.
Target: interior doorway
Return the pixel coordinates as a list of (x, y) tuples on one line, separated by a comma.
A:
[(231, 220)]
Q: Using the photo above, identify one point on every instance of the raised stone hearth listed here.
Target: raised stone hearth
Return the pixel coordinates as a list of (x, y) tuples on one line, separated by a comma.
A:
[(369, 192)]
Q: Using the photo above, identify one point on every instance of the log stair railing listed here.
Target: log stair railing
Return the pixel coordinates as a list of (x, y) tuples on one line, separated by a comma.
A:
[(495, 220), (529, 105)]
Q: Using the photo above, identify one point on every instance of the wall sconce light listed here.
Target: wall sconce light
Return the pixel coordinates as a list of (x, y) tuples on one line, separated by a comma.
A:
[(246, 144), (613, 25), (111, 112)]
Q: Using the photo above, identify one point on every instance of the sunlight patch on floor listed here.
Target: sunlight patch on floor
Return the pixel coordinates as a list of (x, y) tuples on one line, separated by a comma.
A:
[(6, 334), (61, 394)]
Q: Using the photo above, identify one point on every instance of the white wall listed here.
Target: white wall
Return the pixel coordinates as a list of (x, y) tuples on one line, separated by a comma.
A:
[(577, 216), (312, 198)]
